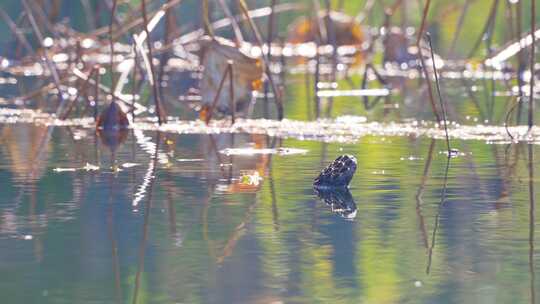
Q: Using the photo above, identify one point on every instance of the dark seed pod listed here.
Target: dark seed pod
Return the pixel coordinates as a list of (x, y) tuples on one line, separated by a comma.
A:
[(112, 118), (338, 174)]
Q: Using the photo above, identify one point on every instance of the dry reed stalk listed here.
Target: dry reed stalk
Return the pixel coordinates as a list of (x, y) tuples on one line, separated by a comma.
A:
[(443, 110), (256, 33), (113, 83), (50, 65), (532, 59), (216, 98), (157, 100)]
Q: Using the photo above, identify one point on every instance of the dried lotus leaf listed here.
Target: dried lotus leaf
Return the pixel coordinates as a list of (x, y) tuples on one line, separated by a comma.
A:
[(247, 71)]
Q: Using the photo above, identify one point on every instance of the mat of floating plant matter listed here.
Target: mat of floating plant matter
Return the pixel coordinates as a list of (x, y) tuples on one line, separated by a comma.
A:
[(341, 129)]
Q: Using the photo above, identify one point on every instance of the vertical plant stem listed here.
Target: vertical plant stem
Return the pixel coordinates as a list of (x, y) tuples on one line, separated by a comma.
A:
[(239, 38), (269, 38), (428, 83), (316, 82), (256, 33), (420, 193), (487, 29), (111, 41), (438, 215), (50, 65), (531, 98), (423, 24), (443, 110), (170, 29), (459, 27), (134, 80), (331, 32), (81, 90), (90, 18), (507, 118), (206, 18), (521, 61), (13, 27), (532, 221), (96, 94), (423, 63), (216, 98), (159, 111), (231, 90), (271, 26), (320, 22)]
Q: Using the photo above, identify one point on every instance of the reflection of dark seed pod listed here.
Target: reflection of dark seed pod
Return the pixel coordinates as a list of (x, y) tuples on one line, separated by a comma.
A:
[(340, 200), (338, 174)]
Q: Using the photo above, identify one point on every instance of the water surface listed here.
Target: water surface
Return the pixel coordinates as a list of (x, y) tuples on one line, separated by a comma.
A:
[(81, 224)]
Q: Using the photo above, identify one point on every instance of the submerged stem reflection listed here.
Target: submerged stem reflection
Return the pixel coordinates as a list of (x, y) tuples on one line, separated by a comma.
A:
[(439, 209)]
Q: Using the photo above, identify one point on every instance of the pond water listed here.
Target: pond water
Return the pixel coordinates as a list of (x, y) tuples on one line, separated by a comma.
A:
[(195, 224)]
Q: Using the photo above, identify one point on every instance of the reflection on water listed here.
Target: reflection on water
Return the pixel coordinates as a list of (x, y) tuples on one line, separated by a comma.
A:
[(339, 200), (177, 220)]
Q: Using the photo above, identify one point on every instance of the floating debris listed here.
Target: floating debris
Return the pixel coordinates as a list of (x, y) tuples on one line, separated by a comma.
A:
[(342, 93), (411, 158), (65, 169), (250, 178), (344, 129), (247, 182), (88, 167), (453, 153), (255, 151), (185, 160)]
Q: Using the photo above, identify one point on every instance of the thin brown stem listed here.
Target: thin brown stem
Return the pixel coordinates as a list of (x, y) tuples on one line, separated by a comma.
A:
[(96, 94), (113, 82), (239, 38), (207, 26), (429, 88), (423, 24), (532, 221), (157, 102), (532, 59), (487, 29), (437, 216), (81, 90), (256, 33), (216, 98), (443, 110), (134, 80), (231, 90), (459, 27), (50, 65), (13, 28)]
